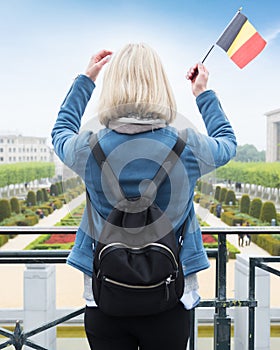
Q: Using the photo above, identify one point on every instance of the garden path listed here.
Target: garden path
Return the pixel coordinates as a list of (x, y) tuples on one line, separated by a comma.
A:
[(21, 241), (212, 220)]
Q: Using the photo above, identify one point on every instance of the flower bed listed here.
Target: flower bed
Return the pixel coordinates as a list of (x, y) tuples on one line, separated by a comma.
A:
[(60, 239), (207, 238)]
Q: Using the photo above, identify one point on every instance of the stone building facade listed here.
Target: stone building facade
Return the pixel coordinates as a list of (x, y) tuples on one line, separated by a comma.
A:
[(273, 136), (18, 148)]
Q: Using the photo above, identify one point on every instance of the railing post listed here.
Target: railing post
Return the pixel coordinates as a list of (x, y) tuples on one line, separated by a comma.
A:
[(222, 322), (251, 327), (40, 302)]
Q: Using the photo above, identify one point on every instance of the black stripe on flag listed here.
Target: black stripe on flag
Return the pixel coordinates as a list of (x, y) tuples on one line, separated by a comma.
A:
[(231, 32)]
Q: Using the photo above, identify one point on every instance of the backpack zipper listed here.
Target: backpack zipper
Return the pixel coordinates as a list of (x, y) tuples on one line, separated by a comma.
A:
[(138, 248), (167, 281)]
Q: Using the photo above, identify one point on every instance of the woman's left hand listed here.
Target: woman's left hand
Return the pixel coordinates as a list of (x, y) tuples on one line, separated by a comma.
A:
[(96, 63)]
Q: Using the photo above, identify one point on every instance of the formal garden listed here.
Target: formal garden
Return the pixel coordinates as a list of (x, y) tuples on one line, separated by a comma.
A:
[(37, 204), (250, 202)]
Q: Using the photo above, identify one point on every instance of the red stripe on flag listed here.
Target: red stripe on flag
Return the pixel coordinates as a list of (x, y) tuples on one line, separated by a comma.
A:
[(249, 50)]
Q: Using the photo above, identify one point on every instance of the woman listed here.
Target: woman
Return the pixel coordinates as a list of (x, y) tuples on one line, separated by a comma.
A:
[(136, 106)]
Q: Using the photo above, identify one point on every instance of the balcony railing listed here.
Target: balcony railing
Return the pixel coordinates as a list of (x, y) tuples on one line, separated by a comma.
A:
[(222, 322)]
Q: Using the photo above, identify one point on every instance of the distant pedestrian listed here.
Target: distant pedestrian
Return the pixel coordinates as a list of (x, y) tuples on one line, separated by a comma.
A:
[(218, 210), (240, 239)]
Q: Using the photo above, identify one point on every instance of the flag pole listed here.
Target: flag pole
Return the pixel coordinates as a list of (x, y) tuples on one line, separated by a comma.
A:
[(212, 47)]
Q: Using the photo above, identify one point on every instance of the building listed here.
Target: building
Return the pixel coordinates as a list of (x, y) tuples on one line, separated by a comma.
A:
[(273, 136), (18, 148)]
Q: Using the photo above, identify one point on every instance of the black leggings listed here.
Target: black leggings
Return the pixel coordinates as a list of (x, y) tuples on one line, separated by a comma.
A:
[(166, 331)]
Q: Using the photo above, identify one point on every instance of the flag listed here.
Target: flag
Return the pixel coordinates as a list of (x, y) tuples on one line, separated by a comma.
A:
[(241, 41)]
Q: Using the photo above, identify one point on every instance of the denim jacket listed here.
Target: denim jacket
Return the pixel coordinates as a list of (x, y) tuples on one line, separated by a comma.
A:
[(136, 158)]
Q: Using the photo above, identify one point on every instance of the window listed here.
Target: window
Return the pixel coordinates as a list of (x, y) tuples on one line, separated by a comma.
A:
[(1, 159)]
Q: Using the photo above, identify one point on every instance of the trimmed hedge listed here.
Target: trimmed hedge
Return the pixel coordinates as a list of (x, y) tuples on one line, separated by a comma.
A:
[(31, 198), (230, 197), (229, 218), (3, 239), (268, 243), (217, 193), (39, 196), (255, 208), (5, 209), (15, 207), (245, 204), (268, 212), (223, 193)]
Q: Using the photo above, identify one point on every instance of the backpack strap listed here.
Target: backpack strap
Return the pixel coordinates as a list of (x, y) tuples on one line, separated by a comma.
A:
[(104, 165), (165, 168), (163, 171), (158, 179)]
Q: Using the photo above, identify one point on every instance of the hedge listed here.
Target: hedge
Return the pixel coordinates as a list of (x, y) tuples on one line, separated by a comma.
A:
[(29, 220), (268, 212), (5, 209), (31, 198), (15, 207), (255, 208), (245, 204), (217, 193), (223, 193), (3, 239), (268, 243), (230, 197), (231, 219), (39, 196)]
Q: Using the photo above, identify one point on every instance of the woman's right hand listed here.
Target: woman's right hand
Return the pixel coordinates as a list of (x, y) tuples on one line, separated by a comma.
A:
[(198, 75)]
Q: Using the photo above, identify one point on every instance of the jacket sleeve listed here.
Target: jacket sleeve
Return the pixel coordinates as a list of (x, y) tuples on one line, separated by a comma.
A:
[(67, 126), (219, 146)]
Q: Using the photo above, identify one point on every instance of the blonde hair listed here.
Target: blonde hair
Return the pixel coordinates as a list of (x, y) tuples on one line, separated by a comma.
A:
[(135, 84)]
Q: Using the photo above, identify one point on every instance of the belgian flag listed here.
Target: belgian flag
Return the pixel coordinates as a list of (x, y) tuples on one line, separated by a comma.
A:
[(241, 41)]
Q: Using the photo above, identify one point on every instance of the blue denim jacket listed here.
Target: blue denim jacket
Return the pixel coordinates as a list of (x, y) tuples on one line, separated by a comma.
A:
[(137, 157)]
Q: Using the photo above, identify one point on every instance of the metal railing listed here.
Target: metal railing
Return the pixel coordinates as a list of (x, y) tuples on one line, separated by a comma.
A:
[(222, 322)]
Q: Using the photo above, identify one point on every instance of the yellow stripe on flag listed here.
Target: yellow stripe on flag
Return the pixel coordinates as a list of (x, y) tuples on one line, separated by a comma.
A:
[(246, 32)]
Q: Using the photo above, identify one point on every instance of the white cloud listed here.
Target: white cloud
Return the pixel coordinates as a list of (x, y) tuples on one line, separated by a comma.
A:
[(272, 35)]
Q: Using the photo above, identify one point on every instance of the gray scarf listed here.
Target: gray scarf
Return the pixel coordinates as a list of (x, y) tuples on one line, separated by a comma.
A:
[(134, 125)]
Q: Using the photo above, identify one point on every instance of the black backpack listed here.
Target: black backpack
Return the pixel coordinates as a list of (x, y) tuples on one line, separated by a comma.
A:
[(136, 268)]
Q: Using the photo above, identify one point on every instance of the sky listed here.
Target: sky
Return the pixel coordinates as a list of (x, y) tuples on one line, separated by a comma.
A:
[(45, 44)]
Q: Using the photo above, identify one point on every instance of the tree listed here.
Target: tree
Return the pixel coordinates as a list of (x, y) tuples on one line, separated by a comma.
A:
[(249, 153)]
